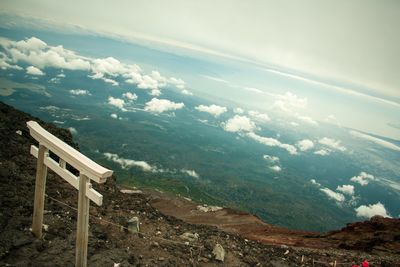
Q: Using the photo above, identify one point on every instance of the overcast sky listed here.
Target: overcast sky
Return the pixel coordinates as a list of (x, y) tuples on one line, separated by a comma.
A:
[(344, 41)]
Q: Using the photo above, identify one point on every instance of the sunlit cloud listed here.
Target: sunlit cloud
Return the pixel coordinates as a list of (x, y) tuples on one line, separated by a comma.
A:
[(128, 163), (332, 143), (214, 110), (346, 189), (117, 102), (191, 173), (333, 195), (322, 152), (156, 105), (259, 116), (305, 144), (368, 211), (79, 92), (130, 96), (34, 71), (269, 141), (239, 124), (363, 178)]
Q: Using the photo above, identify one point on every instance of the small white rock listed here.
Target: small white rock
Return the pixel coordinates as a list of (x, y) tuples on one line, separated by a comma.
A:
[(19, 132), (219, 252)]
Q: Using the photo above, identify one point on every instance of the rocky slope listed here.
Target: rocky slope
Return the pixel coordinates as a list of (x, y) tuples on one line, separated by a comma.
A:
[(173, 232)]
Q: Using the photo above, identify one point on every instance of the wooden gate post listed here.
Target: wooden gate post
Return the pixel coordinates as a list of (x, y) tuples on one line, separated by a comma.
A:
[(40, 188), (88, 170), (83, 223)]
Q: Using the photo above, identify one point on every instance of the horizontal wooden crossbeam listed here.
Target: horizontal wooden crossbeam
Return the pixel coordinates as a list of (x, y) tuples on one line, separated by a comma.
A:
[(92, 194), (74, 158)]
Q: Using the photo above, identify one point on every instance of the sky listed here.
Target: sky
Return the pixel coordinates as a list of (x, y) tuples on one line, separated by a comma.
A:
[(347, 47)]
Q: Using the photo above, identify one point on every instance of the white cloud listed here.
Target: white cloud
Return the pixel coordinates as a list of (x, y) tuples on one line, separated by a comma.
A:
[(305, 144), (79, 92), (333, 195), (308, 120), (114, 116), (127, 163), (276, 168), (332, 143), (238, 110), (376, 140), (72, 130), (363, 178), (61, 75), (322, 152), (109, 65), (191, 173), (274, 161), (117, 102), (130, 96), (259, 116), (147, 82), (6, 65), (313, 181), (32, 43), (186, 92), (368, 211), (34, 71), (254, 90), (346, 189), (215, 79), (214, 110), (155, 92), (179, 83), (289, 101), (239, 124), (272, 142), (271, 159), (110, 81), (332, 120), (156, 105)]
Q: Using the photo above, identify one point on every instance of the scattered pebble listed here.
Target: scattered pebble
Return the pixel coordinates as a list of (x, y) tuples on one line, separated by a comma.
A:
[(219, 252)]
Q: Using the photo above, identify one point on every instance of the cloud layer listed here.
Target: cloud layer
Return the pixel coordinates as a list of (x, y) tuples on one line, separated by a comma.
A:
[(375, 140), (40, 55)]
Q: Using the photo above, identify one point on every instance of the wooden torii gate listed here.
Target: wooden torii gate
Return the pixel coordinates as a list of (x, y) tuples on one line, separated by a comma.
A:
[(88, 170)]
